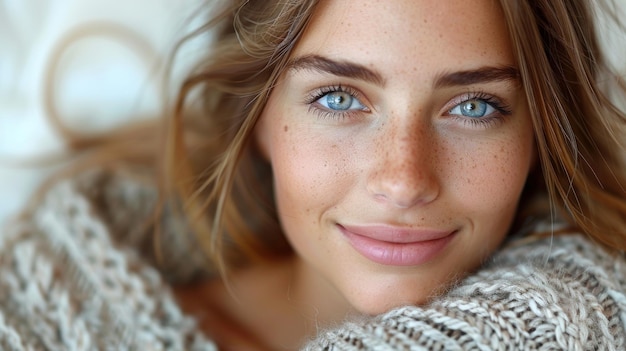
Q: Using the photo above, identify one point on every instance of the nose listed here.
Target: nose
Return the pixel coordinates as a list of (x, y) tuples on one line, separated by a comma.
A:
[(405, 171)]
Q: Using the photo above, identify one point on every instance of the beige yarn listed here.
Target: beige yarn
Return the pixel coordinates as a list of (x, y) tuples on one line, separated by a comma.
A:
[(75, 275), (66, 283), (561, 293)]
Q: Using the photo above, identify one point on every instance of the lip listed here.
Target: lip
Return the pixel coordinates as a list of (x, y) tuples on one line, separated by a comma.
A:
[(395, 246)]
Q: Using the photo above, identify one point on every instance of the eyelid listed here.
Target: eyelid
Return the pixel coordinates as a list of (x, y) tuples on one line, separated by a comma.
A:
[(318, 93), (502, 110), (497, 103), (311, 100)]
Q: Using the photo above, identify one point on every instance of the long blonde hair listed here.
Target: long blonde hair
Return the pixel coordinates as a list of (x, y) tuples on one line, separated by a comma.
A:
[(210, 169), (575, 122), (210, 162), (227, 186)]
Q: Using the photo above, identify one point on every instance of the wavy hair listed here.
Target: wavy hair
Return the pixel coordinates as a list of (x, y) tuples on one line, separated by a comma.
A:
[(210, 164), (213, 176), (575, 122)]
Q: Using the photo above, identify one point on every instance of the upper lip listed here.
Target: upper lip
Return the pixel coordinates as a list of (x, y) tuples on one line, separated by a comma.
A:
[(395, 234)]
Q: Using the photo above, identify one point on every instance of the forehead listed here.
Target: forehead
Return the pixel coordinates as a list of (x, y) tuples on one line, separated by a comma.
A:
[(409, 34)]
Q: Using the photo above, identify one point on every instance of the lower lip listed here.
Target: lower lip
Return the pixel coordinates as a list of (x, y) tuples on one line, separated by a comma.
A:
[(397, 254)]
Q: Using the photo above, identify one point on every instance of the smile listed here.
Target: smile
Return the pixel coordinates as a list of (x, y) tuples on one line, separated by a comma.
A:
[(397, 247)]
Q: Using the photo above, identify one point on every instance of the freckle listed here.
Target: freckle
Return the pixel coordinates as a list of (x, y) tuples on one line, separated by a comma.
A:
[(286, 128)]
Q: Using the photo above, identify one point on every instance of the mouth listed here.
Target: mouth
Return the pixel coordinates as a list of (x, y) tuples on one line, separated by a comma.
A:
[(397, 246)]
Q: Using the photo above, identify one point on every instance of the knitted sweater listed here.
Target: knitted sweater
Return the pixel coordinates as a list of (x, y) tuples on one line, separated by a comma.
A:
[(76, 274)]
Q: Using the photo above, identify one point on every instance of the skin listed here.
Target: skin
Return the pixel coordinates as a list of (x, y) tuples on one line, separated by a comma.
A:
[(406, 161), (400, 157)]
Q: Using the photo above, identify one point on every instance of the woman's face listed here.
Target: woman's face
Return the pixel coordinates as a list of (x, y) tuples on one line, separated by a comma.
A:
[(400, 142)]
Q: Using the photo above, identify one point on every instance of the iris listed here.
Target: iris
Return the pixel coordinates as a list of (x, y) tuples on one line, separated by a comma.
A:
[(339, 100), (474, 108)]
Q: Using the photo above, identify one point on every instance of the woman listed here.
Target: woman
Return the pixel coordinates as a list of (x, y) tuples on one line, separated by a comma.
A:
[(380, 175)]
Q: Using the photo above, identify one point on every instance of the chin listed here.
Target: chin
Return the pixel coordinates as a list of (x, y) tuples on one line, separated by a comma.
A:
[(385, 301), (374, 309), (379, 297)]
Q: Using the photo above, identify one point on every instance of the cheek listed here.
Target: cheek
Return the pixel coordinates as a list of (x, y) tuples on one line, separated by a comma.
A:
[(307, 174), (492, 178)]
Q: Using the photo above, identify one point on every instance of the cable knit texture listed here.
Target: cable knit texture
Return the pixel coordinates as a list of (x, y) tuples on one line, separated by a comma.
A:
[(561, 293), (70, 281), (77, 273)]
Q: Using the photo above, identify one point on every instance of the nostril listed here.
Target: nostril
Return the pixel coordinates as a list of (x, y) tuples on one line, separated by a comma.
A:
[(400, 190), (380, 197), (404, 170)]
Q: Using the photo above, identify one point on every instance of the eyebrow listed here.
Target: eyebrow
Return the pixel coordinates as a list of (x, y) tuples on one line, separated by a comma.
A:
[(477, 76), (354, 70), (337, 68)]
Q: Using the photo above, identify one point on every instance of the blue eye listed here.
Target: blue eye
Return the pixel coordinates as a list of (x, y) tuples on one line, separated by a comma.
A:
[(473, 108), (340, 101)]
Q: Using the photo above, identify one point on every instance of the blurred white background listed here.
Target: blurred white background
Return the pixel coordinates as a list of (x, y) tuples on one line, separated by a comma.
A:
[(110, 57), (106, 60)]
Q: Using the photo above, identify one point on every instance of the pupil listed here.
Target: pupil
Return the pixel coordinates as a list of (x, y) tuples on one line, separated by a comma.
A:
[(474, 108), (339, 101)]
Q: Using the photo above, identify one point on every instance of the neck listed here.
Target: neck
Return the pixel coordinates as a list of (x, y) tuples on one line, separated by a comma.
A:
[(319, 302), (280, 305)]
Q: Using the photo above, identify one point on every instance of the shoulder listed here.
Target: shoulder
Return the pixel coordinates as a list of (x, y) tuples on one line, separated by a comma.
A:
[(562, 292), (65, 283)]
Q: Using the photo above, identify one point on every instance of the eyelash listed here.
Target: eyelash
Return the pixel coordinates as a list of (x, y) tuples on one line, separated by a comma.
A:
[(501, 108), (324, 113)]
